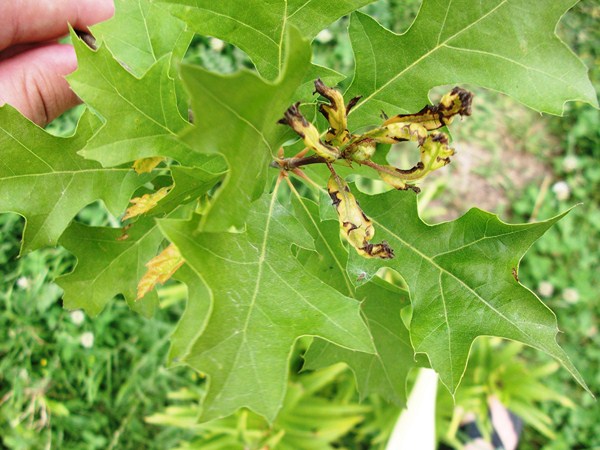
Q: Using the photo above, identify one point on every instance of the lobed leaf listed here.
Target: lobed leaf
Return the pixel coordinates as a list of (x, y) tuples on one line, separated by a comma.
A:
[(136, 125), (141, 32), (43, 179), (506, 45), (258, 27), (462, 280), (262, 301), (236, 116), (108, 265), (384, 372), (112, 261)]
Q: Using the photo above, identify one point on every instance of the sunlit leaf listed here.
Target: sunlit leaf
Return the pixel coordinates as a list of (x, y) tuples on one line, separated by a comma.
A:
[(141, 33), (136, 125)]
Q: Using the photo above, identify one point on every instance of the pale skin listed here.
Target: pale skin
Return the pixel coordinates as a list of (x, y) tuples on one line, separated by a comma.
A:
[(32, 62)]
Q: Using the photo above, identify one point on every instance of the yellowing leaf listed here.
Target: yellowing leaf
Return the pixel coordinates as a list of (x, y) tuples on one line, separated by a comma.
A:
[(354, 224), (335, 112), (160, 269), (456, 102), (309, 133), (145, 203), (146, 165)]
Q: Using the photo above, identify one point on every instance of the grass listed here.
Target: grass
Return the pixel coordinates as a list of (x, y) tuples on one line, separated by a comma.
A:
[(68, 381)]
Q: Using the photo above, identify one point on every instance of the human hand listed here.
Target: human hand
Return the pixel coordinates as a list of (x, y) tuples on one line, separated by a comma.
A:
[(32, 63)]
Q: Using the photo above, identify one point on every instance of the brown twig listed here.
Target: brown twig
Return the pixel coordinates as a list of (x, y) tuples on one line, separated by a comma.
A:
[(292, 163)]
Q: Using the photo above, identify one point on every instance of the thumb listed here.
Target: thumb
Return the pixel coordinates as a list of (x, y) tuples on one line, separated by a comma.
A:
[(33, 82)]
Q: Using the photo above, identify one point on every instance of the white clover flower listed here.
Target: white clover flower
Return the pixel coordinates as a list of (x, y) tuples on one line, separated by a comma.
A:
[(571, 295), (562, 190), (545, 289), (23, 282), (77, 317), (87, 339), (324, 36), (216, 44), (570, 163)]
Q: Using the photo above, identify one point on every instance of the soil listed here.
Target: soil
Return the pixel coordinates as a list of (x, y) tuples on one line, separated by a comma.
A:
[(478, 178)]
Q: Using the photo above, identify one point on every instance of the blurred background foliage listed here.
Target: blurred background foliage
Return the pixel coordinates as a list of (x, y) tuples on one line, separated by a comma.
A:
[(73, 383)]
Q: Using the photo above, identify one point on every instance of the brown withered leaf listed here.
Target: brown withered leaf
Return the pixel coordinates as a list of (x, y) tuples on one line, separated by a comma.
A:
[(160, 269), (143, 204)]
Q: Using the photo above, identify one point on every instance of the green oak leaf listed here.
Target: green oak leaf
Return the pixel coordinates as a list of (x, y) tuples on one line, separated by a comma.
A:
[(189, 184), (462, 280), (141, 33), (195, 316), (111, 261), (262, 302), (141, 115), (508, 46), (43, 179), (384, 372), (108, 265), (236, 116), (258, 27), (329, 262)]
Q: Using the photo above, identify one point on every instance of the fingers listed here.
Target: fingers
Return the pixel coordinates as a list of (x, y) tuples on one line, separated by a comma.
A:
[(32, 77), (28, 21), (33, 82)]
